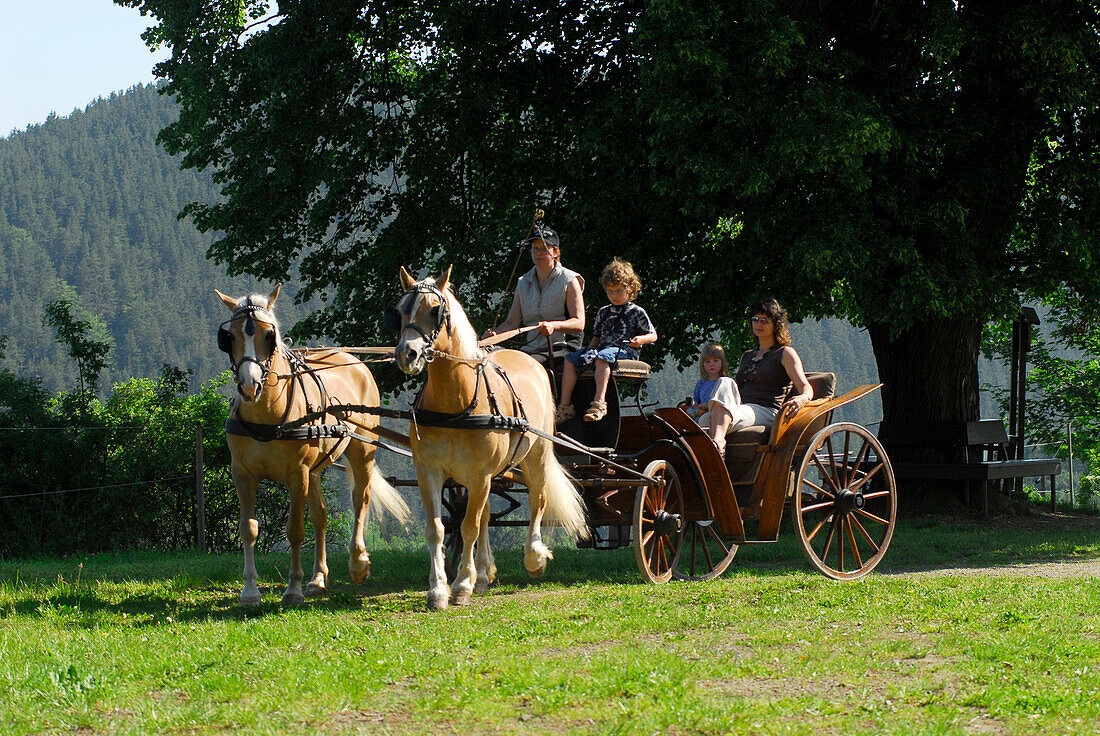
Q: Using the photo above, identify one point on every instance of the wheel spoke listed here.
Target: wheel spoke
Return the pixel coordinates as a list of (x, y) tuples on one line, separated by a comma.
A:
[(811, 535), (825, 473), (863, 481), (819, 489), (865, 534), (829, 540), (857, 466), (847, 468), (872, 517), (816, 506), (840, 546), (855, 547), (876, 494)]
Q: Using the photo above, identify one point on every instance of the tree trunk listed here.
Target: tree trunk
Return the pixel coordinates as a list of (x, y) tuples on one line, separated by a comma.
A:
[(929, 373)]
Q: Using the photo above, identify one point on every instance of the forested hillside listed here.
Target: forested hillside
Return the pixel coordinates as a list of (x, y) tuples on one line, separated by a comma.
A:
[(90, 200)]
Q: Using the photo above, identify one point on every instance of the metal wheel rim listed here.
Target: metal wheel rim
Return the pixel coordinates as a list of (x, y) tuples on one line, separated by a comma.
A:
[(845, 518)]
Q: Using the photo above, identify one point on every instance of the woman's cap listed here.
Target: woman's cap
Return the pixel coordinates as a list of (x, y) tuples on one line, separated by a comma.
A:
[(545, 234)]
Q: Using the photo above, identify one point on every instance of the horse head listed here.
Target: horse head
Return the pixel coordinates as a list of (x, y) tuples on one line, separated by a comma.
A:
[(251, 339), (425, 316)]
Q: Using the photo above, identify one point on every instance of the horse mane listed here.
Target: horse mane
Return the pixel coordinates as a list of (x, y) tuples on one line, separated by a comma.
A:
[(463, 336)]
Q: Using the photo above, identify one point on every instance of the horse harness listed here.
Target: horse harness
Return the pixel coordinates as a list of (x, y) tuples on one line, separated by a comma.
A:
[(301, 429)]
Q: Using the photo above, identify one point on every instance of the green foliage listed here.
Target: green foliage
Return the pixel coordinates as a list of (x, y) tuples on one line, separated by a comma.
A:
[(1063, 383), (83, 334), (913, 169), (116, 474)]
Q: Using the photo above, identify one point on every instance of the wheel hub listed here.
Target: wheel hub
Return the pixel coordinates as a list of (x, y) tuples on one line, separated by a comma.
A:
[(667, 524), (848, 501)]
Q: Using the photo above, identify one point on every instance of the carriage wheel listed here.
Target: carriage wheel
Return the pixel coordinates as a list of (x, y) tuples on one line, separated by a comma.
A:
[(845, 502), (703, 553), (658, 523)]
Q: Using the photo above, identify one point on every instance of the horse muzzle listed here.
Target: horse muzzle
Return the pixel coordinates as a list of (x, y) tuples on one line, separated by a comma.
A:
[(411, 356), (249, 390)]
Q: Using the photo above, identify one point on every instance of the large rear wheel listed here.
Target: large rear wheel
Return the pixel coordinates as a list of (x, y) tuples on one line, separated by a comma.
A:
[(845, 502), (704, 554)]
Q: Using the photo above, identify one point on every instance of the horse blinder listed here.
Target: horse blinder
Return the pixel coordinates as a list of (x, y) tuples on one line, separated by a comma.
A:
[(391, 318), (225, 340)]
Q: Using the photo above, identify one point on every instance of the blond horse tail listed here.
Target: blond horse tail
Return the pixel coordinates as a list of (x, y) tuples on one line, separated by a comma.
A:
[(384, 497), (563, 501)]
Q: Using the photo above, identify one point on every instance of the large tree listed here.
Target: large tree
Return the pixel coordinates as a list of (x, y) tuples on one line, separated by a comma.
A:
[(915, 167)]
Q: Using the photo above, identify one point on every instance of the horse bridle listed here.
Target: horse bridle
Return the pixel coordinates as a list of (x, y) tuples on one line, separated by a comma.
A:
[(392, 317), (225, 338)]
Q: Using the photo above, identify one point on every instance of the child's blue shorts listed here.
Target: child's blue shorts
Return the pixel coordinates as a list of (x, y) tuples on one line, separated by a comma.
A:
[(582, 358)]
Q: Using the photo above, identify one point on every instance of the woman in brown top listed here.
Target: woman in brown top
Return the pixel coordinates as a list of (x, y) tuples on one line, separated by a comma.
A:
[(763, 384)]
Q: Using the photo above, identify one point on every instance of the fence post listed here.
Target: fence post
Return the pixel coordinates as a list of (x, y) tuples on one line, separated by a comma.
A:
[(200, 491), (1069, 436)]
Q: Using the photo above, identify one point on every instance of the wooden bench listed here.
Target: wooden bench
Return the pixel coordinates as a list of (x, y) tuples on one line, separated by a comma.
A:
[(976, 452)]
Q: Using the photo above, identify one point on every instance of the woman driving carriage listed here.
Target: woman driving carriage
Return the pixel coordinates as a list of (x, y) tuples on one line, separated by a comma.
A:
[(763, 384), (550, 296)]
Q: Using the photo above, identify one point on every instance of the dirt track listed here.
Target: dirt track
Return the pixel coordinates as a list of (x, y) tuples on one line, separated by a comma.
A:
[(1037, 521)]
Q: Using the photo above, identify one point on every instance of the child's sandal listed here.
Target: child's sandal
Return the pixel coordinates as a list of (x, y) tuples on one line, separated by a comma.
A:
[(597, 410), (564, 413)]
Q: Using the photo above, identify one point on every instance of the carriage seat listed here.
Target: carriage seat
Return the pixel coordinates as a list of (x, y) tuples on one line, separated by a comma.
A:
[(635, 370), (742, 457)]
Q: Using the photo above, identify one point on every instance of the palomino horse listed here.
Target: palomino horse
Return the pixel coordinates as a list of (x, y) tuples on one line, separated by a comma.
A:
[(468, 425), (274, 387)]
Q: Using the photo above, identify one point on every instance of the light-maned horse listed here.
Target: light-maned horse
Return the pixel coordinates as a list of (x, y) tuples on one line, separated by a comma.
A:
[(465, 381), (271, 392)]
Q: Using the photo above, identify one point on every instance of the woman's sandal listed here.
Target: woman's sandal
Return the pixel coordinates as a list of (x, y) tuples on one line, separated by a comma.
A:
[(597, 410), (564, 413), (721, 448)]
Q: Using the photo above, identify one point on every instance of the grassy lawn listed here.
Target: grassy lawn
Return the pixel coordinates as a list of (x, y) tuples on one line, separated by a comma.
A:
[(140, 643)]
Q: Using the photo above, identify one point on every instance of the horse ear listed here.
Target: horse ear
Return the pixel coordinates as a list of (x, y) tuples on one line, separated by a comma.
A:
[(229, 301), (445, 279), (407, 280), (273, 296)]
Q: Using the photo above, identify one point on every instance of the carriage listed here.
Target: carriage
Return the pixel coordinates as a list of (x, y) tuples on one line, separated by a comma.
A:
[(651, 478), (483, 433)]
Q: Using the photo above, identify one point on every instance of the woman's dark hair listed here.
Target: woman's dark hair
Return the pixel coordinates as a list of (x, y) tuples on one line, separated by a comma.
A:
[(774, 311)]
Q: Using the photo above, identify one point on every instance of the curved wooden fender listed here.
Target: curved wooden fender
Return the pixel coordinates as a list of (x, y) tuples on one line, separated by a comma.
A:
[(787, 436)]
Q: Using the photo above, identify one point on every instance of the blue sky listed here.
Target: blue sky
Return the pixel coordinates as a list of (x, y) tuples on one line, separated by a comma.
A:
[(59, 55)]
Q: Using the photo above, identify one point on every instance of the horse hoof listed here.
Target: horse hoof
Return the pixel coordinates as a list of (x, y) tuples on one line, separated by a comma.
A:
[(293, 599), (437, 602), (315, 590), (481, 585), (461, 598), (250, 600), (360, 574)]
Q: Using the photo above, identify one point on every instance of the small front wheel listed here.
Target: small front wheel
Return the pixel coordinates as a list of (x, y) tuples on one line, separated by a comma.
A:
[(658, 523), (845, 502)]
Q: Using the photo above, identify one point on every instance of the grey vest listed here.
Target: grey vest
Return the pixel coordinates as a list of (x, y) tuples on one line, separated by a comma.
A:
[(546, 304)]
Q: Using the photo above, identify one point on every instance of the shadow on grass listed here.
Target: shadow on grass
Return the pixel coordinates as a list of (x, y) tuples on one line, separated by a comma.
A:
[(146, 589)]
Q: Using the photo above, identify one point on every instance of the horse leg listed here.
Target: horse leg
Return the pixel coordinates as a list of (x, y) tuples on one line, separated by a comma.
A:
[(430, 481), (486, 563), (477, 505), (359, 466), (535, 553), (250, 530), (295, 535), (318, 517)]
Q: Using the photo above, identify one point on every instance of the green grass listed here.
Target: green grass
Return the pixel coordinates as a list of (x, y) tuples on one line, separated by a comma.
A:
[(156, 644)]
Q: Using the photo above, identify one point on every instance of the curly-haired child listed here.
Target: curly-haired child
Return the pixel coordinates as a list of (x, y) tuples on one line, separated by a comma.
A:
[(621, 328)]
